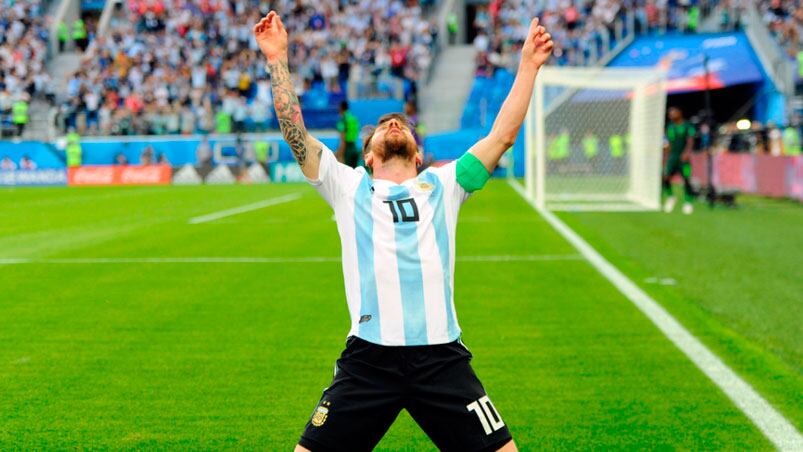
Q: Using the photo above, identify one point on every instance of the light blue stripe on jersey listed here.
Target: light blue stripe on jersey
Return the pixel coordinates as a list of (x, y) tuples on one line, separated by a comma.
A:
[(411, 278), (364, 231), (442, 239)]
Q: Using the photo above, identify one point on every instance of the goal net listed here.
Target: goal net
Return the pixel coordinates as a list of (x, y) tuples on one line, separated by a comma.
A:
[(594, 139)]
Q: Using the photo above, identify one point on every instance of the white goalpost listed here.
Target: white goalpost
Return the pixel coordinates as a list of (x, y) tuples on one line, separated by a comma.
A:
[(594, 139)]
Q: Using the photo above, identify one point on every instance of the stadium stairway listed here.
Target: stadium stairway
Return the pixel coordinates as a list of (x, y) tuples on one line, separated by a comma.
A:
[(61, 66), (442, 99), (38, 127)]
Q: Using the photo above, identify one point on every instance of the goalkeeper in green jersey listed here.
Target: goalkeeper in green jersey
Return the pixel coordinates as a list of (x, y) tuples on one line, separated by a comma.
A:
[(679, 143)]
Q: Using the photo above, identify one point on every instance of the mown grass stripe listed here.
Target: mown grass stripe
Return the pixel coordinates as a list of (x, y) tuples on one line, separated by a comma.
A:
[(262, 260), (772, 424)]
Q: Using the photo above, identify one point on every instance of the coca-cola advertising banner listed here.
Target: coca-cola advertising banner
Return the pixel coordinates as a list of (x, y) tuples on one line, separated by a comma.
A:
[(119, 175)]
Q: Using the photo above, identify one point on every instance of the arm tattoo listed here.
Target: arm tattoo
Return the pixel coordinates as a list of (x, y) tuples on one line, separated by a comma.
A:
[(288, 110)]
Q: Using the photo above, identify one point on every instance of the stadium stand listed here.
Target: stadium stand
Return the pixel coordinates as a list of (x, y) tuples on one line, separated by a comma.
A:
[(197, 68), (785, 22), (584, 32), (23, 54)]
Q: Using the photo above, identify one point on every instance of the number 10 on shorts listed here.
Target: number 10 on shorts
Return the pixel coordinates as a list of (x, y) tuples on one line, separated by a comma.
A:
[(489, 418)]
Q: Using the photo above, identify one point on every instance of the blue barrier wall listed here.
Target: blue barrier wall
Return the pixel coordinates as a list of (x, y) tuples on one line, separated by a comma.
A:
[(45, 155), (179, 150), (369, 111), (451, 145)]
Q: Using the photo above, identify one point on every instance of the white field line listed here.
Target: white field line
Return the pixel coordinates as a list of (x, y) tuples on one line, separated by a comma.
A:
[(263, 260), (772, 424), (246, 208)]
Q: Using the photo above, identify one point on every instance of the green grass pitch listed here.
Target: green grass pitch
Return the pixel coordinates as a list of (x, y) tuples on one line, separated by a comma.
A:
[(234, 355)]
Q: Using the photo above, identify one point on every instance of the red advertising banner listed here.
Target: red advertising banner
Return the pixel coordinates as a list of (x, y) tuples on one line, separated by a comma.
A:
[(119, 175), (771, 175), (775, 176), (794, 177)]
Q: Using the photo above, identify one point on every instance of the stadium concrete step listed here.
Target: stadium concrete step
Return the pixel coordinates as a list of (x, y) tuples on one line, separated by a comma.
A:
[(39, 114), (61, 66), (443, 98)]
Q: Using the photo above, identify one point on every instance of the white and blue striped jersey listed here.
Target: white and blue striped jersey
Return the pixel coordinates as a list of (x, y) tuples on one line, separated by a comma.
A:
[(398, 250)]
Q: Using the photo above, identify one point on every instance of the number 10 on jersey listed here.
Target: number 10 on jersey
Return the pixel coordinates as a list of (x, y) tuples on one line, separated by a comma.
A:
[(403, 210)]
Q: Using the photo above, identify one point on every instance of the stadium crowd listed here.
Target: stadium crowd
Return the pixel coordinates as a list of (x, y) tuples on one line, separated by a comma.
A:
[(23, 54), (184, 66), (582, 30), (785, 22)]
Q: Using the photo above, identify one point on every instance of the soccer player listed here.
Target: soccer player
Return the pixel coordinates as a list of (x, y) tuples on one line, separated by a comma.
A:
[(349, 128), (680, 140), (397, 232)]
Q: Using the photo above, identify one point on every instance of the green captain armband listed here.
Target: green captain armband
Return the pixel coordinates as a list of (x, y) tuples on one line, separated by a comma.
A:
[(471, 173)]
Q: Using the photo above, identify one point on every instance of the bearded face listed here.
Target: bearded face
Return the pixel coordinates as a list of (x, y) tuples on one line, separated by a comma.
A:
[(393, 138)]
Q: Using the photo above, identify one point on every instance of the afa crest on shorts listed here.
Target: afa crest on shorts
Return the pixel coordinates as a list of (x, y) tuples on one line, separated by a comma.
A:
[(320, 414)]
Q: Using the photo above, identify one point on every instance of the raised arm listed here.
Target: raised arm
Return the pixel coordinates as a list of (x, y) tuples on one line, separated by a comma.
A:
[(271, 36), (534, 53)]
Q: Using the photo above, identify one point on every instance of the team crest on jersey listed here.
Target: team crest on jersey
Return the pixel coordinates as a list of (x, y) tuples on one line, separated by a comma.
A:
[(425, 186), (320, 414)]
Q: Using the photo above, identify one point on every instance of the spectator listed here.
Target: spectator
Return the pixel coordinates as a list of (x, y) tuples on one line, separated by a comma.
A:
[(203, 155), (79, 34), (120, 159), (582, 31), (451, 28), (62, 35), (146, 157), (785, 22), (7, 164), (23, 47), (19, 114), (791, 140), (200, 54), (774, 140), (26, 163)]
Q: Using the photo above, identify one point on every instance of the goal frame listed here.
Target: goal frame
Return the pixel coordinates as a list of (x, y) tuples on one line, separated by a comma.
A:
[(644, 175)]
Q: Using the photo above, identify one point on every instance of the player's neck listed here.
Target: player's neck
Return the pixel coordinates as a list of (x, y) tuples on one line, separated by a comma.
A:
[(395, 170)]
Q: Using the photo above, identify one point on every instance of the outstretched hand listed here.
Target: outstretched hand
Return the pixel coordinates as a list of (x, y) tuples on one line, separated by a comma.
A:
[(271, 37), (538, 46)]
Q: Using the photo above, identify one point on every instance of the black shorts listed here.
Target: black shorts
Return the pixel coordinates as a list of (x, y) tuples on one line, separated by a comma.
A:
[(434, 383)]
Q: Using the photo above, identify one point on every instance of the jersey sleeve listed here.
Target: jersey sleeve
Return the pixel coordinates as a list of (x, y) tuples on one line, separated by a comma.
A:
[(335, 179)]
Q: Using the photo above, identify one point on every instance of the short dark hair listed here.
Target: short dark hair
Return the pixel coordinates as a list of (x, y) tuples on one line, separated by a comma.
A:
[(344, 105), (383, 119)]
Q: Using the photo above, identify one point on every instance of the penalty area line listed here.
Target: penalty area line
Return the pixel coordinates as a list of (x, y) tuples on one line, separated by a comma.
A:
[(263, 260), (246, 208), (781, 433)]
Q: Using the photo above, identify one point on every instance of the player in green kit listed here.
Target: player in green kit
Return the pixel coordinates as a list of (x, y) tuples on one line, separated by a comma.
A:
[(349, 128), (679, 142)]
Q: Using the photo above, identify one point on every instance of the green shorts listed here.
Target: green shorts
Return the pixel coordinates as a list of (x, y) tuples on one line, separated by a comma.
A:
[(675, 166), (351, 156)]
